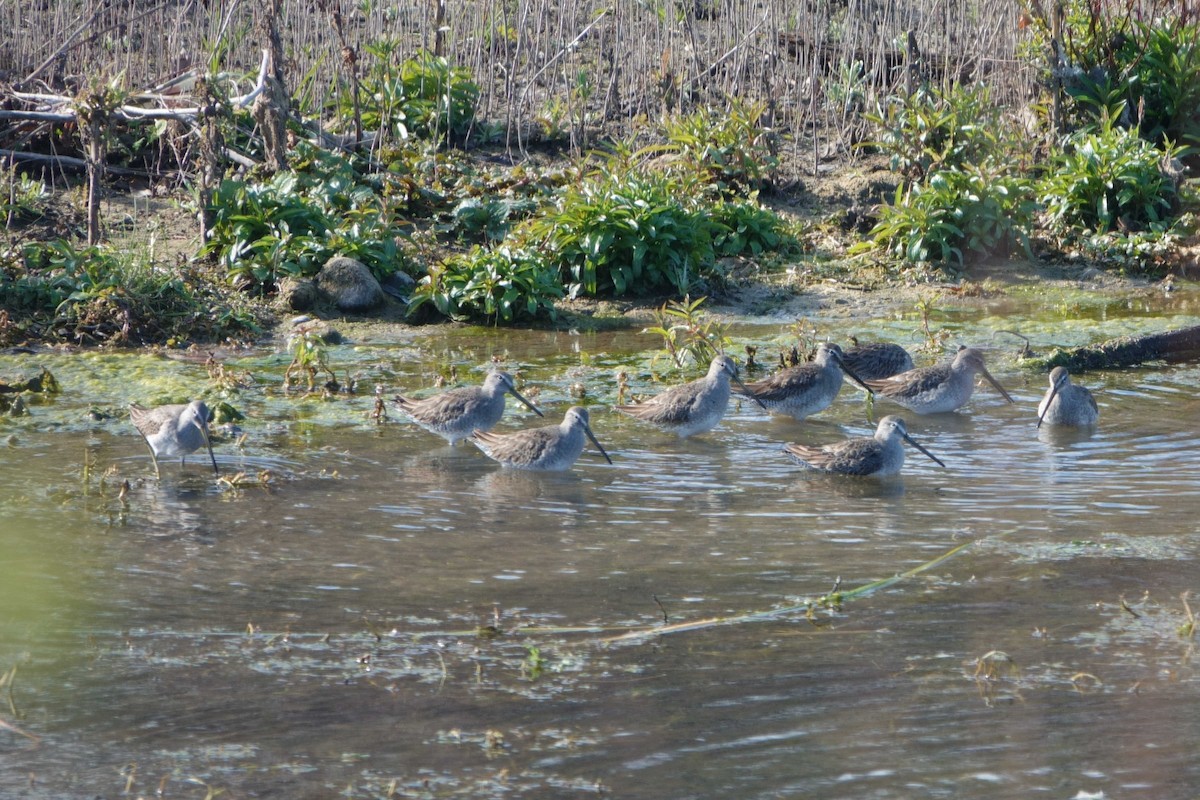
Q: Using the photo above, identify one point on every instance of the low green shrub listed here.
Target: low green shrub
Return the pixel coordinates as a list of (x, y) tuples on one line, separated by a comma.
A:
[(502, 285), (422, 97), (1106, 177), (954, 216), (1124, 59), (22, 199), (936, 129), (630, 234), (744, 228), (292, 224), (730, 150), (1167, 80), (102, 295), (488, 220)]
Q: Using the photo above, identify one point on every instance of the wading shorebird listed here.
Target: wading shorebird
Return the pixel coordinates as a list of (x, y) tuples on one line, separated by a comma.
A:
[(1067, 404), (804, 389), (550, 448), (877, 360), (877, 456), (945, 387), (174, 430), (456, 414), (693, 407)]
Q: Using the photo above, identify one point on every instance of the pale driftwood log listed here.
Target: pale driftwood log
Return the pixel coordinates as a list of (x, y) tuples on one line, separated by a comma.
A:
[(128, 111), (73, 164)]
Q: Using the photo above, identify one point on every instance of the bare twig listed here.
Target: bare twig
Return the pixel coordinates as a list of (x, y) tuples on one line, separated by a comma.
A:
[(66, 43)]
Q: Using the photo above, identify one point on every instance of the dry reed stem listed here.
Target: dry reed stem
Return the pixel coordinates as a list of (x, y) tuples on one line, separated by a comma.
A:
[(530, 57)]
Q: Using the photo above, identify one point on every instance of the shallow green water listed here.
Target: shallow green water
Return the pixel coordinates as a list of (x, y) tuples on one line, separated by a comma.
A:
[(316, 638)]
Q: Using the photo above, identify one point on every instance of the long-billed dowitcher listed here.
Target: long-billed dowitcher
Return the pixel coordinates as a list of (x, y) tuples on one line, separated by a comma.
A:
[(944, 387), (806, 388), (873, 361), (1067, 404), (456, 414), (876, 456), (692, 407), (174, 430), (552, 447)]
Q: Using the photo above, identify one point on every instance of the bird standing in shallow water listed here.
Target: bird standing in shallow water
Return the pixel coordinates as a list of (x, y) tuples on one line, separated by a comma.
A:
[(806, 388), (1067, 404), (944, 387), (553, 447), (875, 360), (692, 407), (878, 456), (174, 430), (456, 414)]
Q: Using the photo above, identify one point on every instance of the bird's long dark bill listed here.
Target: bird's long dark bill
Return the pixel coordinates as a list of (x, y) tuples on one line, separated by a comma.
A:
[(996, 383), (1053, 394), (910, 440), (746, 392), (857, 379), (587, 429), (208, 444), (528, 404)]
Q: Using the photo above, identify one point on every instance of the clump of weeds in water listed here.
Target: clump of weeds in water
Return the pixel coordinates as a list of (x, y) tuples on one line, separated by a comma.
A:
[(534, 663), (935, 339), (807, 340), (263, 479), (688, 335), (309, 359), (7, 680), (990, 669), (1188, 629), (225, 379)]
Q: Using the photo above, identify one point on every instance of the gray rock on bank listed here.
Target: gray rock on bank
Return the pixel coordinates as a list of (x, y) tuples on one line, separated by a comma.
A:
[(349, 284)]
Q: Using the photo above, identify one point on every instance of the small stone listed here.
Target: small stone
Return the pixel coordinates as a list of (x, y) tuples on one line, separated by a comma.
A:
[(297, 294), (399, 285)]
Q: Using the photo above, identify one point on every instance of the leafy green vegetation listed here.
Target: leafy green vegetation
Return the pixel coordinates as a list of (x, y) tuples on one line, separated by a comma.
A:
[(100, 295), (1144, 66), (501, 285), (664, 212), (292, 224), (1108, 176), (729, 149), (956, 215), (634, 234), (22, 198), (689, 335), (744, 228), (936, 129), (1109, 188), (422, 97), (638, 233)]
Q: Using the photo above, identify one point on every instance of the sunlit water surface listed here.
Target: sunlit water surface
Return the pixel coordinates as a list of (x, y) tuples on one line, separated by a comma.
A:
[(391, 617)]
